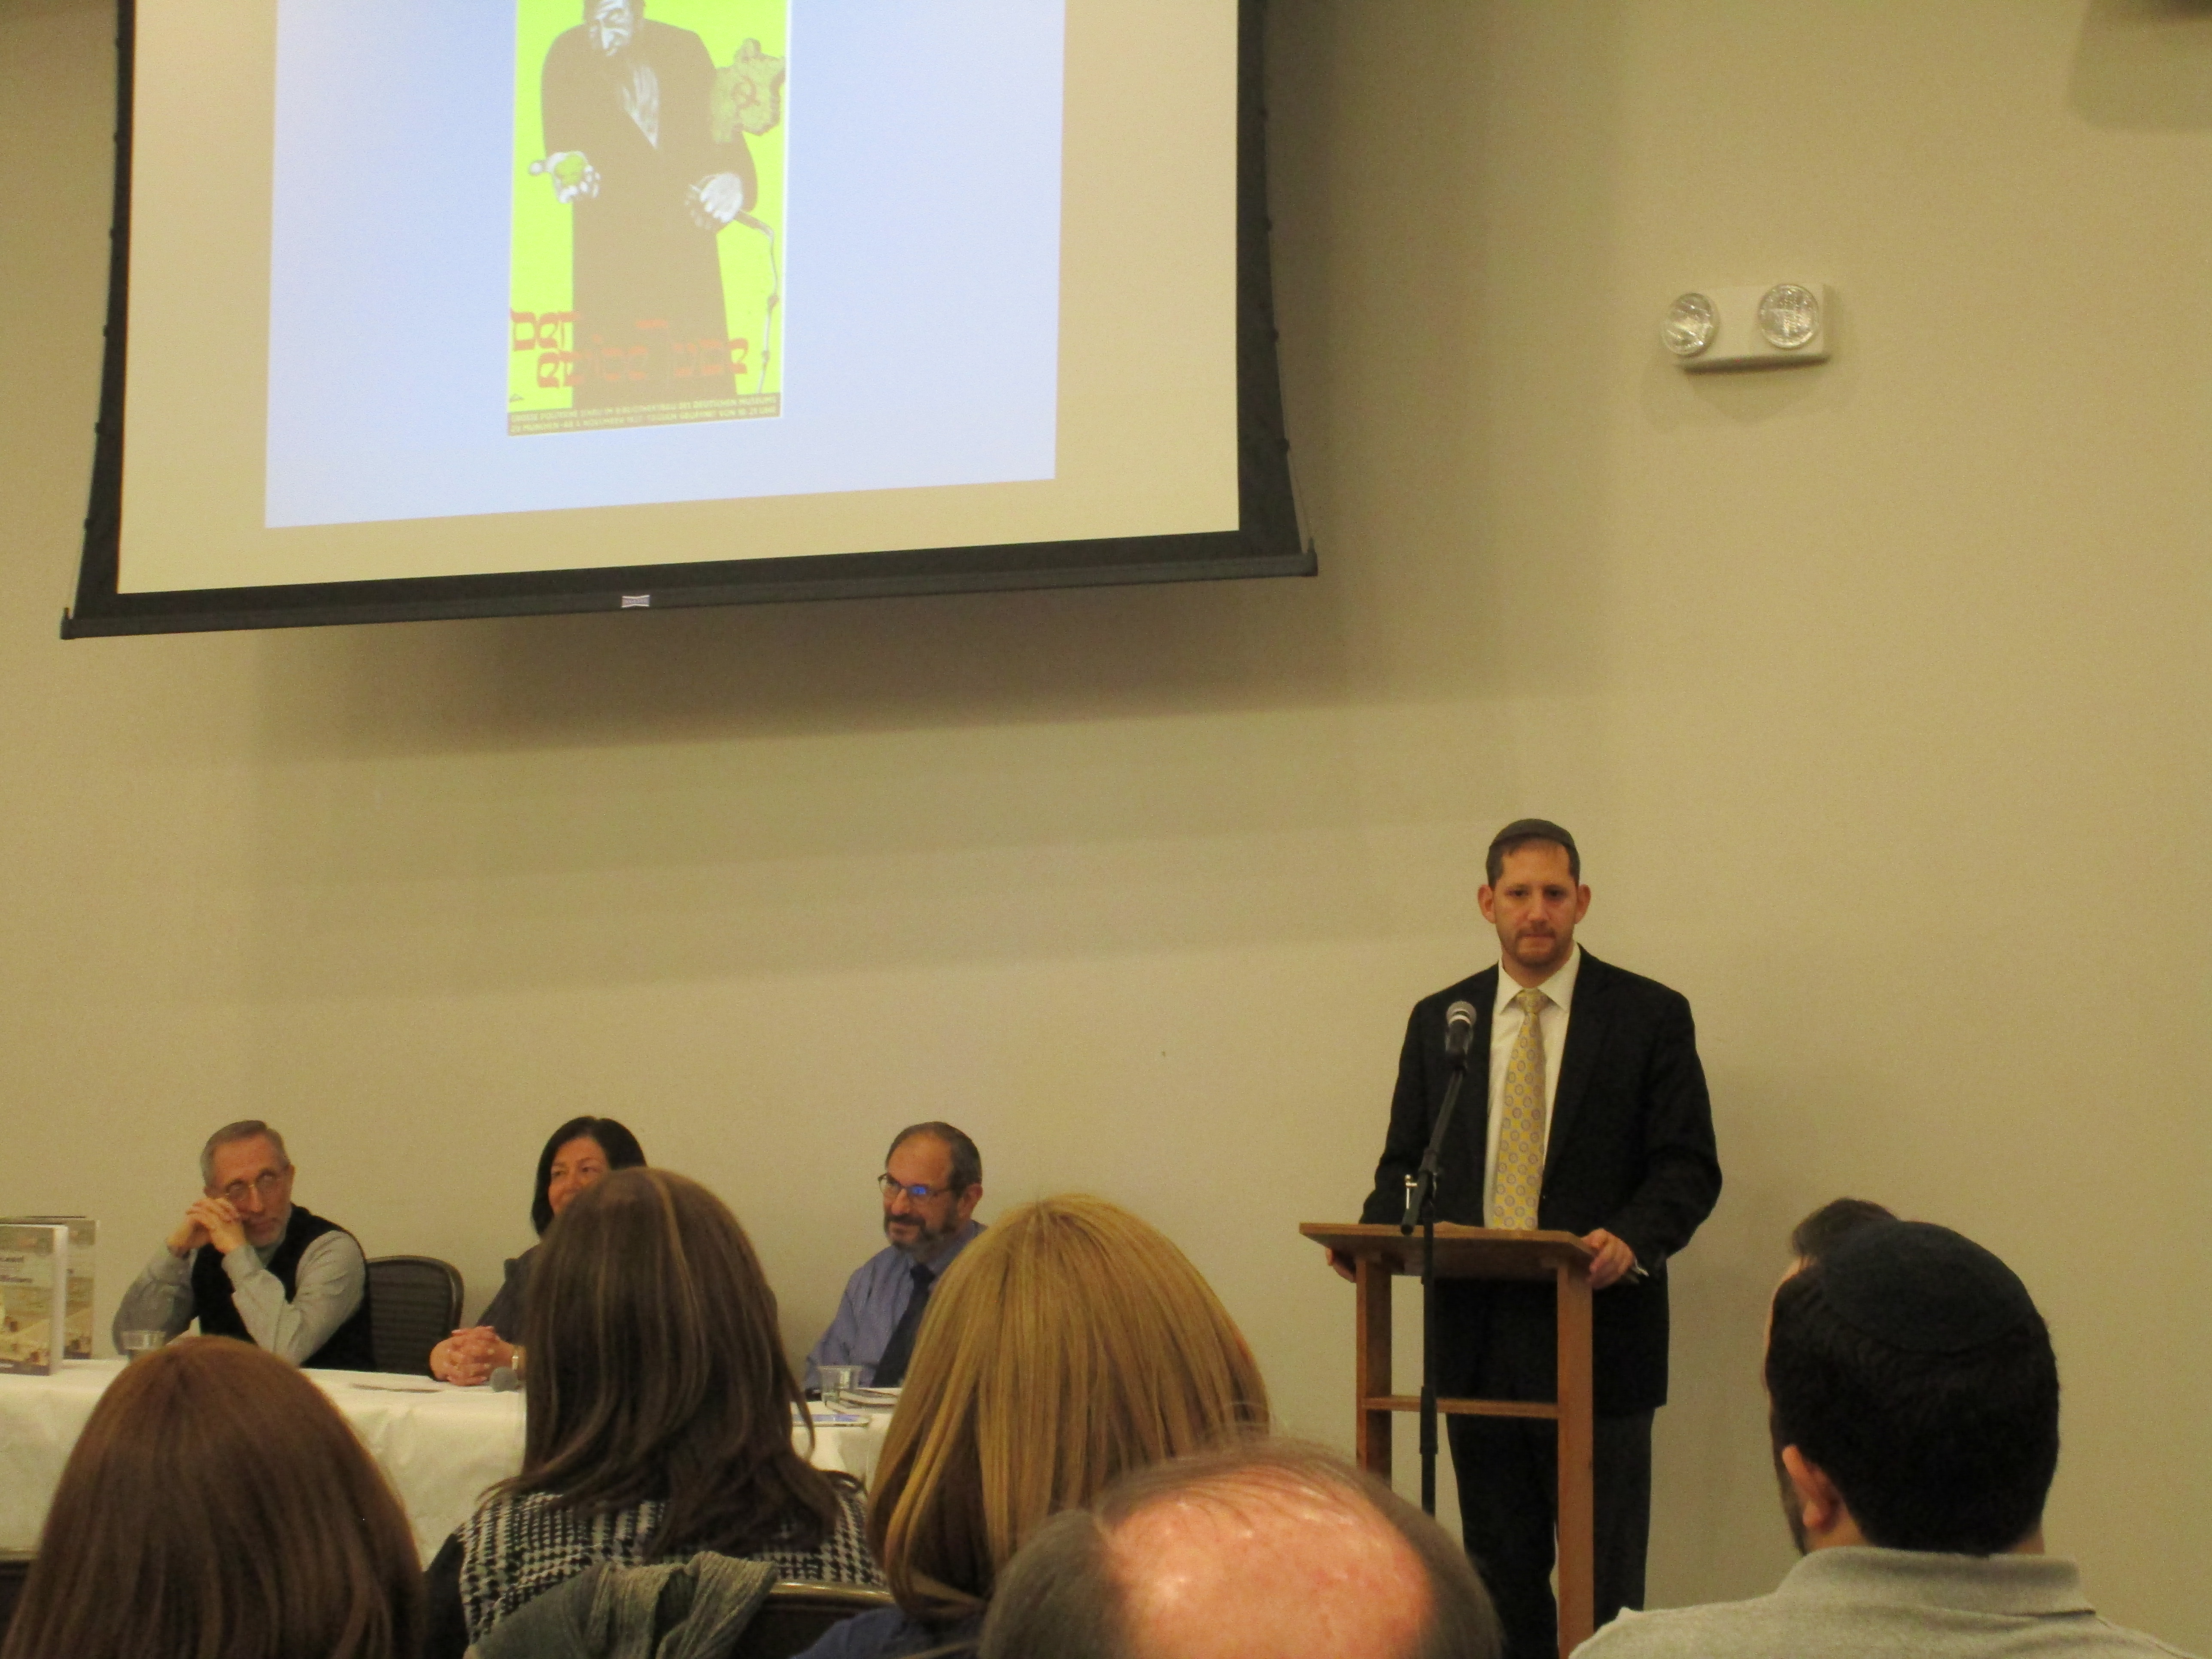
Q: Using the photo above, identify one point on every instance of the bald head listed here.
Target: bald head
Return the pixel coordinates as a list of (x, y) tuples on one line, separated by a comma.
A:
[(1266, 1552), (1202, 1574)]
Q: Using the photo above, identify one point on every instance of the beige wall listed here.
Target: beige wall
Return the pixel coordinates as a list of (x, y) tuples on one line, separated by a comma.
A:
[(1875, 692)]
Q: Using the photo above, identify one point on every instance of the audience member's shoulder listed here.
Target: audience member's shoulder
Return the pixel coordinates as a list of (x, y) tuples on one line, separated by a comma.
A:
[(884, 1634), (1714, 1631), (2118, 1639), (1766, 1627)]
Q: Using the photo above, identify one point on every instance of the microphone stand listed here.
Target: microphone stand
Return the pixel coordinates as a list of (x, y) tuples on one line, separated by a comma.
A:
[(1421, 1203)]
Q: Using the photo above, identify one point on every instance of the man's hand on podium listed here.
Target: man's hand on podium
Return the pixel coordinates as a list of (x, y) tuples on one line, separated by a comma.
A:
[(1342, 1263), (1614, 1258)]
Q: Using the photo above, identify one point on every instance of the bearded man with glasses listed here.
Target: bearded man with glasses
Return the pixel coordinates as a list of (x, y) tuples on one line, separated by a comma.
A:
[(931, 1181), (245, 1261)]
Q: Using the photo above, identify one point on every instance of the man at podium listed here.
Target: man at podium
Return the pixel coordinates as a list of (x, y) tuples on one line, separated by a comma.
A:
[(1594, 1121)]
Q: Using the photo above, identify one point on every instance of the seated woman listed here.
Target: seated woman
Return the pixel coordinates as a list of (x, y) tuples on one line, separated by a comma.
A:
[(658, 1408), (1068, 1344), (580, 1151), (217, 1503)]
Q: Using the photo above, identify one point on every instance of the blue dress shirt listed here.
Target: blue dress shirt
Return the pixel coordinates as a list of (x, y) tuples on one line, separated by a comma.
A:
[(875, 1297)]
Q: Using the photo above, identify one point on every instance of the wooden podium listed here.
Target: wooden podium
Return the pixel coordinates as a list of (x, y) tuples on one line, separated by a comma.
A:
[(1383, 1253)]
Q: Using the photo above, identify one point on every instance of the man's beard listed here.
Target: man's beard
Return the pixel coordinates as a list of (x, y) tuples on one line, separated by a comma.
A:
[(926, 1242), (1531, 949)]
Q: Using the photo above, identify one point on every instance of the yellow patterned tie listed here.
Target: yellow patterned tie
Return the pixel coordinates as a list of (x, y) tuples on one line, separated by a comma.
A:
[(1519, 1176)]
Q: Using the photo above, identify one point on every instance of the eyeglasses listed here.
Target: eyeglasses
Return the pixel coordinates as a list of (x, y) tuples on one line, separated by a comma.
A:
[(920, 1195), (262, 1185)]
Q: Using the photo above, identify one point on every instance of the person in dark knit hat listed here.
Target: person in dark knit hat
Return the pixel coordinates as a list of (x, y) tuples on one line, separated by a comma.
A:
[(1913, 1402)]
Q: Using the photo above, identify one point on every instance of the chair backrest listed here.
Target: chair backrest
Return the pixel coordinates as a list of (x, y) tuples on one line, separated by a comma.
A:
[(414, 1302), (794, 1616)]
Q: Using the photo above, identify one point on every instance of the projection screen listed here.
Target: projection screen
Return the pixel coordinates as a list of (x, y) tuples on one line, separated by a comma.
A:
[(491, 307)]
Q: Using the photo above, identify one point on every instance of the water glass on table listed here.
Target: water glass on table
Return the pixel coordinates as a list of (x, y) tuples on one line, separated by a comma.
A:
[(137, 1345), (837, 1383)]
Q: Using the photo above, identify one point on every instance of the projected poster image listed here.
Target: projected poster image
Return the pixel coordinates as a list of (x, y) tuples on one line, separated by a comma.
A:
[(646, 250), (570, 279)]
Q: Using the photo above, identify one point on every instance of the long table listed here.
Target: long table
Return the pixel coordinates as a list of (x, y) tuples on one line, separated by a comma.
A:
[(440, 1446)]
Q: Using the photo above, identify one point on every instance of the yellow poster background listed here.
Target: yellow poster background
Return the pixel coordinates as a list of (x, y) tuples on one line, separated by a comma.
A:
[(540, 248)]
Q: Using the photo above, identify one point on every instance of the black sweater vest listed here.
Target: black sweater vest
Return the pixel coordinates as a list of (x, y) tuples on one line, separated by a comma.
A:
[(348, 1348)]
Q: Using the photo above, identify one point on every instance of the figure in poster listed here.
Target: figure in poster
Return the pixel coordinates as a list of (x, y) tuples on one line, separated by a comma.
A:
[(632, 146)]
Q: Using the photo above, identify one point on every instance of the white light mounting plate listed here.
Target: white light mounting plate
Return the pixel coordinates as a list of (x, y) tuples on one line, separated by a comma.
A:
[(1738, 341)]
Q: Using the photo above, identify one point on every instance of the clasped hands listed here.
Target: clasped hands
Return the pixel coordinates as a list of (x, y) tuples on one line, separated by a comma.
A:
[(208, 1221), (471, 1356)]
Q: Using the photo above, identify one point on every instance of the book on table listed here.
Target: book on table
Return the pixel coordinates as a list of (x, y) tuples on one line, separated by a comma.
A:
[(34, 1295), (84, 1242)]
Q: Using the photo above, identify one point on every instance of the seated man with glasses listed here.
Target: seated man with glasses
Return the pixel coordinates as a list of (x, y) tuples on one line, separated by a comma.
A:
[(931, 1181), (246, 1262)]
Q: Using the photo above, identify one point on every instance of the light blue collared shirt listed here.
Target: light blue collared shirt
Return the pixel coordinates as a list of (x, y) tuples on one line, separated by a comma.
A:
[(875, 1298)]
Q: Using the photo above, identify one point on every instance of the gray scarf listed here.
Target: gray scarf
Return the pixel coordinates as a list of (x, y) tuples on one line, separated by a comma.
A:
[(693, 1609)]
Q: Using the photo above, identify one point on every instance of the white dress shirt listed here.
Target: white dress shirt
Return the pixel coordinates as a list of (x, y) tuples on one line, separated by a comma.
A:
[(1504, 1032)]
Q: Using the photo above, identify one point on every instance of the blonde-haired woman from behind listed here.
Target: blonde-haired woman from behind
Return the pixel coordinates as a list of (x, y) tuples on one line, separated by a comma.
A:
[(1069, 1343)]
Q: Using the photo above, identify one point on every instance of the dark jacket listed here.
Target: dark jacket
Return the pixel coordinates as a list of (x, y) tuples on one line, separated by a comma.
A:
[(1630, 1151), (504, 1315), (890, 1634)]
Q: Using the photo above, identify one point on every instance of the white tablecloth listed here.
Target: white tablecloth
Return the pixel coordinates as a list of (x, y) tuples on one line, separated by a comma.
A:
[(439, 1446)]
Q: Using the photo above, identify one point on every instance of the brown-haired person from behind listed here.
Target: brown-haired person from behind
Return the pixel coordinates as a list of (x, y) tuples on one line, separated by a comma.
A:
[(1068, 1346), (217, 1504), (576, 1154), (659, 1406)]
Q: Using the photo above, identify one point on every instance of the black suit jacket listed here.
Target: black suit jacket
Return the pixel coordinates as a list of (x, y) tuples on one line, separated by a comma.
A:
[(1630, 1151)]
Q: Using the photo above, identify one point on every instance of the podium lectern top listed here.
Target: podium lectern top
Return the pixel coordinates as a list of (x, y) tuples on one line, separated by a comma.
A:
[(1461, 1252)]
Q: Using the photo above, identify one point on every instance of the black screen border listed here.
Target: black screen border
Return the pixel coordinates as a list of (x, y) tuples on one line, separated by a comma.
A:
[(1265, 543)]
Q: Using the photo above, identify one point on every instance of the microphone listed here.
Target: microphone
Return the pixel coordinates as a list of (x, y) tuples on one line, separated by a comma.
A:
[(1459, 1031), (1459, 1037)]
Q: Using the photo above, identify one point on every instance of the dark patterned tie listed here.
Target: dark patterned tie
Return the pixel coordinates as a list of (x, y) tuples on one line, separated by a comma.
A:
[(890, 1369)]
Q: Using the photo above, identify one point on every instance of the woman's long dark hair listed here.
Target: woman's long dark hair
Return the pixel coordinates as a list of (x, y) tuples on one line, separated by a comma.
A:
[(657, 1371), (217, 1503), (617, 1143)]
